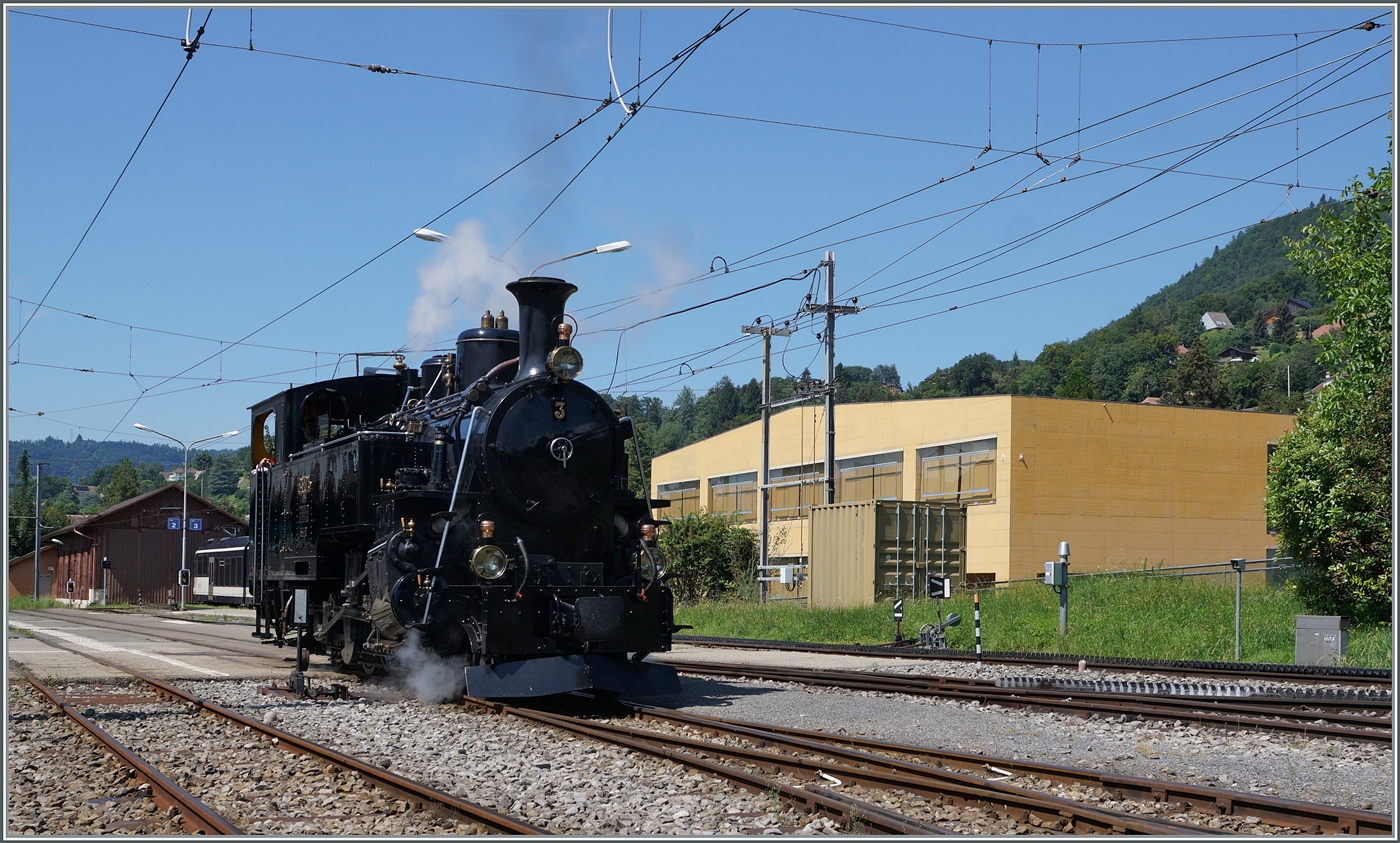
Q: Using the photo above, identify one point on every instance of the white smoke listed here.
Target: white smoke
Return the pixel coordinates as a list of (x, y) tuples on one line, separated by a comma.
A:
[(432, 678), (462, 269)]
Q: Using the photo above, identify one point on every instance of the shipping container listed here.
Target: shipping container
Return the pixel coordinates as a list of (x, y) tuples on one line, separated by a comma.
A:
[(877, 550)]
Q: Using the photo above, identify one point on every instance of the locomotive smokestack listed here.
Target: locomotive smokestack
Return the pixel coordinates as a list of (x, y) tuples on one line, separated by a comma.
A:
[(541, 310)]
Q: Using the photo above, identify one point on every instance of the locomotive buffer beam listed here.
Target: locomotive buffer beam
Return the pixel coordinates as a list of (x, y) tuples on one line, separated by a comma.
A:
[(562, 674)]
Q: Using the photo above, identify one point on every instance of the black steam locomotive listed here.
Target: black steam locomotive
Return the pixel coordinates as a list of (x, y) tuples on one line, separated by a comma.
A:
[(481, 503)]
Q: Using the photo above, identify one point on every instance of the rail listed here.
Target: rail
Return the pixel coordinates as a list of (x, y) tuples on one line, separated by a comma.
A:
[(196, 816)]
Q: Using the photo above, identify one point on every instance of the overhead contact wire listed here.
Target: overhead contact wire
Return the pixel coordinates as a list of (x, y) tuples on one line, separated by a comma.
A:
[(189, 54)]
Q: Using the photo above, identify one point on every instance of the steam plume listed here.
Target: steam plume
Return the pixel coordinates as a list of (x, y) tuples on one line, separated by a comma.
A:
[(462, 269)]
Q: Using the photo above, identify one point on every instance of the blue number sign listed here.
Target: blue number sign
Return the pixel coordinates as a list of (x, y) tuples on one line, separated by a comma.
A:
[(197, 525), (172, 523)]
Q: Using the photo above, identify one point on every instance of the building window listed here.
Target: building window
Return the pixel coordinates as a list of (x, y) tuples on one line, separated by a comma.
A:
[(793, 501), (876, 477), (684, 496), (737, 493), (964, 472)]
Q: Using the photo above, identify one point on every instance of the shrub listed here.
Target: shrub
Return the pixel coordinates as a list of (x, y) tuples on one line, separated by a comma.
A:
[(707, 555)]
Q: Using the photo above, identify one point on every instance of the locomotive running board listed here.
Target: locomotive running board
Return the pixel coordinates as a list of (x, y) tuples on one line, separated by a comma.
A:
[(562, 674)]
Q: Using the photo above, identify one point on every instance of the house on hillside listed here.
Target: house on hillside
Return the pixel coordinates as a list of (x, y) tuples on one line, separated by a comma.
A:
[(1233, 354), (1325, 330), (1211, 320), (1295, 305), (141, 539)]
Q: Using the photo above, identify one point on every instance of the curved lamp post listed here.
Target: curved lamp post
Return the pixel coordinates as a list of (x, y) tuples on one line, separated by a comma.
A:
[(606, 248), (185, 485)]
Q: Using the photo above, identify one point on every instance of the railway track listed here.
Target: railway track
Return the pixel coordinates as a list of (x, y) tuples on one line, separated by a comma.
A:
[(1276, 714), (193, 815), (887, 788), (295, 796), (1305, 817), (1301, 674), (809, 779)]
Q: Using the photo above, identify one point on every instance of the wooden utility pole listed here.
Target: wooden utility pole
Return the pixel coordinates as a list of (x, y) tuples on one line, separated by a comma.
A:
[(763, 510)]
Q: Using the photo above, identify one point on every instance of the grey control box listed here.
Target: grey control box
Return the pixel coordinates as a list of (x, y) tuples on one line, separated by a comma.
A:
[(1319, 639)]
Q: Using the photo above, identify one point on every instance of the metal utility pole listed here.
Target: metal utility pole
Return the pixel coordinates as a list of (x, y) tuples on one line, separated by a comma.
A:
[(38, 524), (763, 511), (829, 335)]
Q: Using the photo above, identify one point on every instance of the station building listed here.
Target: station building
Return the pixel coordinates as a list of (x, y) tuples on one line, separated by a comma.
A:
[(1124, 484), (140, 539)]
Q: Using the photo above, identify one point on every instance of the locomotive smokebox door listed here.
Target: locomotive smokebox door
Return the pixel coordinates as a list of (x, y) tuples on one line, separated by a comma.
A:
[(550, 470)]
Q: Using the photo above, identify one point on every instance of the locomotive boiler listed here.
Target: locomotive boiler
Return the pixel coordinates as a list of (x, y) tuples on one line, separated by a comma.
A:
[(477, 507)]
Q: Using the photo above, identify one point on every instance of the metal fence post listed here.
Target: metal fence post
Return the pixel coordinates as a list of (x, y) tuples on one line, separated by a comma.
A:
[(1238, 565)]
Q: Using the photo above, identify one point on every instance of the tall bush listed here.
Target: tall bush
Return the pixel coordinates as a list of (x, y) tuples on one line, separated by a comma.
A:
[(708, 555), (1329, 484)]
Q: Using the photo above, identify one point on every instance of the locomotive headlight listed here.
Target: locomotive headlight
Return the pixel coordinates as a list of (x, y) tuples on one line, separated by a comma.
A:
[(565, 362), (489, 562), (644, 564)]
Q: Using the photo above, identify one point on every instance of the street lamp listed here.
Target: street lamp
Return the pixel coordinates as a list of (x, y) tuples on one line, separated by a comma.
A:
[(185, 484), (606, 248)]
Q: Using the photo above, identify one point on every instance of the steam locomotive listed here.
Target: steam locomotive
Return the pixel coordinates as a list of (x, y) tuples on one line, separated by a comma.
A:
[(477, 507)]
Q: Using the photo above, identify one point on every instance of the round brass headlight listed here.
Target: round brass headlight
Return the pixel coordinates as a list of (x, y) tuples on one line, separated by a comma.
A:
[(489, 562), (565, 362)]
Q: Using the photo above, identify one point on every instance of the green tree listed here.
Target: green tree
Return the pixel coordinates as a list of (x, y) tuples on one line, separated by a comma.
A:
[(1328, 490), (21, 512), (1076, 384), (54, 518), (1196, 381), (122, 484)]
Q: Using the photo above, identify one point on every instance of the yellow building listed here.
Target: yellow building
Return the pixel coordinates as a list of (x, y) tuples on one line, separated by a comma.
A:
[(1124, 484)]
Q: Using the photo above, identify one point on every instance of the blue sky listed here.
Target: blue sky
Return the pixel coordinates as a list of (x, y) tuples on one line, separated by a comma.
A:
[(272, 174)]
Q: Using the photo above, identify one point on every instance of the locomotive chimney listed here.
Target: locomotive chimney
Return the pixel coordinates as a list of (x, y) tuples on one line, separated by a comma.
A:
[(541, 310)]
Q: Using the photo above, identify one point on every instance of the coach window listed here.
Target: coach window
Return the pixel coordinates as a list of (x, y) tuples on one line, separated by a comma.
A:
[(265, 438), (736, 493), (961, 472), (684, 496), (875, 477)]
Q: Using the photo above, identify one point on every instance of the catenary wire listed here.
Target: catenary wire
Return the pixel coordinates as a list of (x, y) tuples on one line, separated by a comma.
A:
[(189, 54), (1073, 44), (168, 333), (688, 52), (1241, 180), (1006, 248), (1027, 151)]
